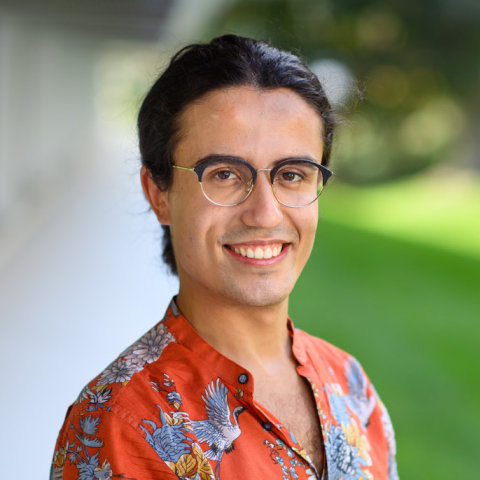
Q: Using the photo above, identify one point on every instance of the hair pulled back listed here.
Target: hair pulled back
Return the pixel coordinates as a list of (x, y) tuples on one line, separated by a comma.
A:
[(198, 69)]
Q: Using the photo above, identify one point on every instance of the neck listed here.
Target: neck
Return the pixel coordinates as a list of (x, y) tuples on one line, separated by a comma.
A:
[(251, 336)]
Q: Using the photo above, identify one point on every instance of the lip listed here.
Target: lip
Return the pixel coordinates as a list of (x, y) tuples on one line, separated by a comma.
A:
[(269, 241), (260, 262)]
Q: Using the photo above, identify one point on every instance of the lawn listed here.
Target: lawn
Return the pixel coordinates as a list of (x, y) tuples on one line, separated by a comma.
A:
[(410, 312)]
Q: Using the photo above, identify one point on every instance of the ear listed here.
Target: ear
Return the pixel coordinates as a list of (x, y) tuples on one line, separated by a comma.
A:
[(158, 199)]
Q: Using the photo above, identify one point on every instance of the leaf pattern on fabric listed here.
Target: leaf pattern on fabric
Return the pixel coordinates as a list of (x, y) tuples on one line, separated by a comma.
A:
[(87, 462), (346, 442), (357, 398), (344, 460), (283, 456), (173, 443)]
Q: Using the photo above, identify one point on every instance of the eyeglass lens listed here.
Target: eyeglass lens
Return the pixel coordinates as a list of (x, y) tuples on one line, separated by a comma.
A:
[(295, 184)]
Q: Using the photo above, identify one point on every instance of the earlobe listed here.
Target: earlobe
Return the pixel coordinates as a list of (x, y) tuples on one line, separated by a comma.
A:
[(158, 199)]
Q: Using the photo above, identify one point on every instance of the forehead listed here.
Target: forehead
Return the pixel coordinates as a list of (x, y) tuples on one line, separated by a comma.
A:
[(250, 123)]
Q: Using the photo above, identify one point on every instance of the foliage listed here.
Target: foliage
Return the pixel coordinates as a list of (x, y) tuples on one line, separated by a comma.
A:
[(418, 62)]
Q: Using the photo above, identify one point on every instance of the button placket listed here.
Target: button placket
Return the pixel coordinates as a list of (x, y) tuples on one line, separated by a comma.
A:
[(267, 426)]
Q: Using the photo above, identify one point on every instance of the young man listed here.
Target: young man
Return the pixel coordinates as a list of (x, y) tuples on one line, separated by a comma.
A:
[(235, 137)]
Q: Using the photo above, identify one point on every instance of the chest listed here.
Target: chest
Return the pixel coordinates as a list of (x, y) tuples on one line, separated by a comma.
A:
[(292, 403)]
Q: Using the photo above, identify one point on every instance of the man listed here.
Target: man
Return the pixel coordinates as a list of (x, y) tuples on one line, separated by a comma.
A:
[(235, 137)]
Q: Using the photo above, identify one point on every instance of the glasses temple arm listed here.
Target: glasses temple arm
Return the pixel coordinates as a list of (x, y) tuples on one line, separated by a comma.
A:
[(183, 168)]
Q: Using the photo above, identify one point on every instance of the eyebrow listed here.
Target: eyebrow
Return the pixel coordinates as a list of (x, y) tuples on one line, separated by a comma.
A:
[(218, 156), (215, 157)]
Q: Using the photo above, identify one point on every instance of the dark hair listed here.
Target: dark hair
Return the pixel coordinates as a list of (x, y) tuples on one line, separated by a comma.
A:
[(198, 69)]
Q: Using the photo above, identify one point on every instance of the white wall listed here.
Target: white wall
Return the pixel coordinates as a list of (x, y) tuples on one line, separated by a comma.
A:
[(46, 80), (80, 275)]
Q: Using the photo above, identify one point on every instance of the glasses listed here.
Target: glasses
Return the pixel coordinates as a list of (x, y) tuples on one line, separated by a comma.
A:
[(229, 181)]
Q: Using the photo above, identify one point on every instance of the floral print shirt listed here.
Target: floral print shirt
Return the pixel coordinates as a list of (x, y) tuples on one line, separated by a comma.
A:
[(172, 407)]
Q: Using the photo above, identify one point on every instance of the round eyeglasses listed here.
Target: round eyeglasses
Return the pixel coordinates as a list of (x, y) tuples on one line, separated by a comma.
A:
[(229, 181)]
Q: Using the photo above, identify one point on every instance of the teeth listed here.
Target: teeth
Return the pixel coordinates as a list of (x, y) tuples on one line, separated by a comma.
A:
[(259, 253)]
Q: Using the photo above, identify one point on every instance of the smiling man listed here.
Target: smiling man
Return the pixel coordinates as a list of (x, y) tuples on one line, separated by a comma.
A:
[(235, 138)]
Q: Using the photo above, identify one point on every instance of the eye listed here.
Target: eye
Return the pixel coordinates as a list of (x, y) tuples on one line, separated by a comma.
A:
[(297, 174), (225, 175), (290, 177)]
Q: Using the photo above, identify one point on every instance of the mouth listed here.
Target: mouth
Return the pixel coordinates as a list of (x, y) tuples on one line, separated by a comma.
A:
[(258, 252)]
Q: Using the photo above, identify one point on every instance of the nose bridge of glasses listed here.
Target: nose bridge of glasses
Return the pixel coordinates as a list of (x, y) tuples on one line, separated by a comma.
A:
[(268, 171), (253, 181)]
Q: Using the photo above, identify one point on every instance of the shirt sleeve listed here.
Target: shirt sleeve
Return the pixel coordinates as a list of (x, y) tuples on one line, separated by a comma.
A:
[(364, 400), (102, 445), (390, 437), (387, 433)]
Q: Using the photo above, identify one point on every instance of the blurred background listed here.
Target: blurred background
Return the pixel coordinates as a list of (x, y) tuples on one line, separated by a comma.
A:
[(394, 276)]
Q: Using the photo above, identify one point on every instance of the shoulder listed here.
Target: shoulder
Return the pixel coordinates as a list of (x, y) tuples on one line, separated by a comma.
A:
[(351, 402), (108, 414), (126, 376), (336, 366)]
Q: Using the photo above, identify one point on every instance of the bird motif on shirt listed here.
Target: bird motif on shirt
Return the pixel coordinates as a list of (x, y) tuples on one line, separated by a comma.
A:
[(217, 431)]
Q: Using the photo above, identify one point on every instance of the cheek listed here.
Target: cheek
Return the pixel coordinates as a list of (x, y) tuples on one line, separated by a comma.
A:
[(308, 229), (195, 230), (188, 248), (187, 235)]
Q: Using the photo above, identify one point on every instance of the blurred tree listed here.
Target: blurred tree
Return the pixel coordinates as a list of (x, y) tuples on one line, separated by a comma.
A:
[(417, 62)]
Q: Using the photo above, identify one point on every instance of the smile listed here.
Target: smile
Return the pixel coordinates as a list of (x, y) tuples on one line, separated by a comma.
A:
[(258, 252)]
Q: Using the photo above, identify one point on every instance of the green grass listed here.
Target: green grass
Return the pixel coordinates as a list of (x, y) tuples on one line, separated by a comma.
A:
[(441, 208), (411, 314)]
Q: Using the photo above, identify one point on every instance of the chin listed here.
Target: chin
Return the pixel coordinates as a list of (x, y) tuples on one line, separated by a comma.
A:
[(259, 294)]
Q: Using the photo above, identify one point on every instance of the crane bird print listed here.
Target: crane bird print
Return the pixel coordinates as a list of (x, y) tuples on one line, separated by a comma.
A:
[(217, 431)]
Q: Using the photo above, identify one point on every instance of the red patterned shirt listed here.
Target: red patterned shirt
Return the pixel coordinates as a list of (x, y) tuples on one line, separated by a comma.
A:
[(171, 406)]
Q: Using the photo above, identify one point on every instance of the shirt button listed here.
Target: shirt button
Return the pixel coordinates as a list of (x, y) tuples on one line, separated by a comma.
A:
[(267, 426), (243, 378)]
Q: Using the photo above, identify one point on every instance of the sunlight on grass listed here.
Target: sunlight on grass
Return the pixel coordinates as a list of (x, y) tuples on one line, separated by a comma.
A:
[(440, 209)]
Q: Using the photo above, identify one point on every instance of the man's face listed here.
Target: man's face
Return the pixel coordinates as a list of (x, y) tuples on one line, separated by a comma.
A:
[(262, 127)]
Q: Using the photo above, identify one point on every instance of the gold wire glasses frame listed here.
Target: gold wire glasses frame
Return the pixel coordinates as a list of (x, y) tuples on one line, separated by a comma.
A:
[(216, 174)]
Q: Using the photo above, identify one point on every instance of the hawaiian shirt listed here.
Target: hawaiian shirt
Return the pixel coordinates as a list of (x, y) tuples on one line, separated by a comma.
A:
[(172, 407)]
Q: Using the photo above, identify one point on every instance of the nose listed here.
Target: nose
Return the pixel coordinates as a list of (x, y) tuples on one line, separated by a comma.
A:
[(261, 209)]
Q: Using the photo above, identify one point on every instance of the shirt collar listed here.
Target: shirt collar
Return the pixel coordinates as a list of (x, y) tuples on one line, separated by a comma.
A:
[(226, 369), (298, 347), (186, 336)]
